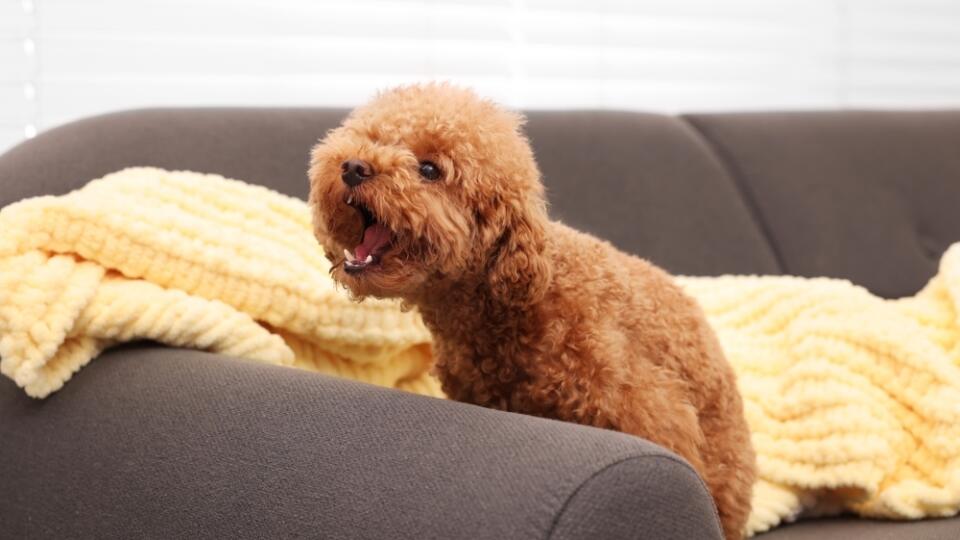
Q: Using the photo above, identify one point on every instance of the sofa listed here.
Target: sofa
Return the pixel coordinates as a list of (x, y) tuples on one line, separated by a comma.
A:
[(156, 442)]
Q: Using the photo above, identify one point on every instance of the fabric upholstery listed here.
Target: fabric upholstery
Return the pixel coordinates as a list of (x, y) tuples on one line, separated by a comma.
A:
[(264, 146), (648, 184), (598, 508), (172, 443), (866, 196), (134, 448)]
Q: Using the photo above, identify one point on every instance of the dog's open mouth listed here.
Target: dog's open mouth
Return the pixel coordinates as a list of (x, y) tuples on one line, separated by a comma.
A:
[(374, 243)]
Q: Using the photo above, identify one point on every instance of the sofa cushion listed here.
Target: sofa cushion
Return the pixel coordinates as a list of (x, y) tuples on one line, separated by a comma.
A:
[(650, 185), (867, 196), (265, 146)]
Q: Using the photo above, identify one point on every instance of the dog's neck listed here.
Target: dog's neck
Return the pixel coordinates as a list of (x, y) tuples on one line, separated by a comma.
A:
[(468, 311), (467, 316), (482, 344)]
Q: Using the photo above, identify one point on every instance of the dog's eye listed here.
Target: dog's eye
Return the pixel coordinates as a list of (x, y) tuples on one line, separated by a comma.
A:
[(429, 171)]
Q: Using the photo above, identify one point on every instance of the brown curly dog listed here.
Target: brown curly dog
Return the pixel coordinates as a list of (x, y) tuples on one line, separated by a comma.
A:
[(432, 195)]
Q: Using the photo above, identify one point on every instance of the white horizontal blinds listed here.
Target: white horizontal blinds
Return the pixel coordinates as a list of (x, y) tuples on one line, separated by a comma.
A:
[(19, 109), (902, 53), (681, 54), (218, 52), (663, 55)]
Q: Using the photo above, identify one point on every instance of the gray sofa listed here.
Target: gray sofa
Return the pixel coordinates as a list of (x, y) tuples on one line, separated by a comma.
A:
[(155, 442)]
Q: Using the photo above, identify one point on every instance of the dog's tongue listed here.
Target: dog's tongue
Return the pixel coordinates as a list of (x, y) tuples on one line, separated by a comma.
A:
[(375, 237)]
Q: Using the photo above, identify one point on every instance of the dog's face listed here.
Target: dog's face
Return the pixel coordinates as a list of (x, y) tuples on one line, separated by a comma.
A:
[(427, 184)]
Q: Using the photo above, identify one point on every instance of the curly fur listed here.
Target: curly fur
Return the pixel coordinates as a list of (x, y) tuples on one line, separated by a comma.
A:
[(528, 315)]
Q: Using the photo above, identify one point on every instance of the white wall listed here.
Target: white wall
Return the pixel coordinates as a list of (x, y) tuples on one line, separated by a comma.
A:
[(64, 59)]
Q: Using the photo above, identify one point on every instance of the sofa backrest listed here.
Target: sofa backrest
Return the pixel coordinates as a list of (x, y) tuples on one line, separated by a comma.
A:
[(650, 185), (870, 196), (867, 196)]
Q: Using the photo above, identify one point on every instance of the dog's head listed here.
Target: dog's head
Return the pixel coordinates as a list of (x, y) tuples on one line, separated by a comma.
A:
[(430, 185)]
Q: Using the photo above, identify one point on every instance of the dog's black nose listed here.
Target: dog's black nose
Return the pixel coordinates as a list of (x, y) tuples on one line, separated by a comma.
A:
[(355, 171)]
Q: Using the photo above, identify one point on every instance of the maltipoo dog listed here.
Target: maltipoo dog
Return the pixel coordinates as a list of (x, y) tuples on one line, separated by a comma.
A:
[(432, 195)]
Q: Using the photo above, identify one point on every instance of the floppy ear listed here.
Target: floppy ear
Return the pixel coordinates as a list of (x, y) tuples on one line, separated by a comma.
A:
[(519, 271)]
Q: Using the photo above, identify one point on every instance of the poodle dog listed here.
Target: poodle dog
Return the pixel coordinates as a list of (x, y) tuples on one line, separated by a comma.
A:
[(432, 195)]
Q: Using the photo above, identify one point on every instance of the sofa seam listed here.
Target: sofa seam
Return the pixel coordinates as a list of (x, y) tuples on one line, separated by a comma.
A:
[(740, 184), (566, 503)]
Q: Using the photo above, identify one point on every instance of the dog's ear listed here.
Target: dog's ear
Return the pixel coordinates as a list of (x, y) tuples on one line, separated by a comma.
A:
[(519, 271)]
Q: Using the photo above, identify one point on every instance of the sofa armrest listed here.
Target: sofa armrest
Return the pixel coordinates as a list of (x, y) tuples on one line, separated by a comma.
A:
[(149, 441)]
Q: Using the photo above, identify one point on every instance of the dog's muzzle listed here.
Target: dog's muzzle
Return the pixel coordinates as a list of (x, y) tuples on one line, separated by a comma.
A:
[(354, 172)]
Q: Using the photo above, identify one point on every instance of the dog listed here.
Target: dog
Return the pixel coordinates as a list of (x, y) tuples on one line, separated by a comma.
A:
[(432, 195)]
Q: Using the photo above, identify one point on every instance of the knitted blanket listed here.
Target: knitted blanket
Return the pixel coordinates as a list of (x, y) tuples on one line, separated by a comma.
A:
[(188, 260), (854, 401)]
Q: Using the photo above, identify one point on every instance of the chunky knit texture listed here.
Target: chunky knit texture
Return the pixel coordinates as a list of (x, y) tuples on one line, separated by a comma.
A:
[(854, 401), (189, 260)]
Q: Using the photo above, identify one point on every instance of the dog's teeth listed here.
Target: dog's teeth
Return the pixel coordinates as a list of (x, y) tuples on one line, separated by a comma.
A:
[(350, 199), (347, 254), (368, 260)]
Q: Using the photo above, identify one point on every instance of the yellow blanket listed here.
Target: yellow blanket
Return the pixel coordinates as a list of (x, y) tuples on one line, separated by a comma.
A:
[(189, 260), (854, 401)]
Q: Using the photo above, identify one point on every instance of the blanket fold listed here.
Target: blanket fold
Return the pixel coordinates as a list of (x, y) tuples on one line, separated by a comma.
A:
[(188, 260), (853, 401)]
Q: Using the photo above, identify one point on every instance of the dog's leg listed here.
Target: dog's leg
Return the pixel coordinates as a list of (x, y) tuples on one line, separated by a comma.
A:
[(679, 430), (731, 470)]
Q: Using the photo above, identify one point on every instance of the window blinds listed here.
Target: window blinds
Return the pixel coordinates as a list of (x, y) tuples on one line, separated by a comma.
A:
[(63, 59)]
